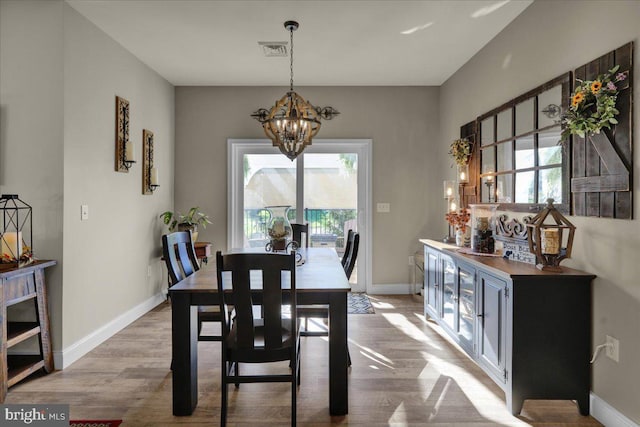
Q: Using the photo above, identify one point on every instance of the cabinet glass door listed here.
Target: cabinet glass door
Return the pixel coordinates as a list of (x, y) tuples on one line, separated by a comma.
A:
[(431, 282), (466, 306), (448, 291)]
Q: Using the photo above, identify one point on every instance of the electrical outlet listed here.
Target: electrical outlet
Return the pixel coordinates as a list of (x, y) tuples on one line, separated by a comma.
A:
[(84, 212), (613, 348), (383, 207)]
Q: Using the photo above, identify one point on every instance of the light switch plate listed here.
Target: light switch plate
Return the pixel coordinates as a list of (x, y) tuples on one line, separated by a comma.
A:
[(383, 207), (84, 212)]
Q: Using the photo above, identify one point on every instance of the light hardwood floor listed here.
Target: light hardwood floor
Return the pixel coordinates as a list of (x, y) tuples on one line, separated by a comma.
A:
[(404, 373)]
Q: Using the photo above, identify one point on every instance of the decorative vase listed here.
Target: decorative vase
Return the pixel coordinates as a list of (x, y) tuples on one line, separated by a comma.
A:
[(459, 238), (483, 220), (278, 227), (190, 227)]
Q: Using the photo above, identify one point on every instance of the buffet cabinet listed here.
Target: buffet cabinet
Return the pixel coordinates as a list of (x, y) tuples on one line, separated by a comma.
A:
[(529, 330)]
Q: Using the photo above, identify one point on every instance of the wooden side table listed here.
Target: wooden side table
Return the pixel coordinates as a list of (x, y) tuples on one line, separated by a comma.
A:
[(203, 251), (24, 285)]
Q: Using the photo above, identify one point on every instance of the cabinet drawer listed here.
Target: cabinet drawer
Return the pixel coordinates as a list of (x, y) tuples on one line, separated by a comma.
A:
[(19, 288)]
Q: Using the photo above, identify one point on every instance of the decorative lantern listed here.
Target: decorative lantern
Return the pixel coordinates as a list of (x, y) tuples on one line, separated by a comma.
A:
[(551, 241), (16, 236)]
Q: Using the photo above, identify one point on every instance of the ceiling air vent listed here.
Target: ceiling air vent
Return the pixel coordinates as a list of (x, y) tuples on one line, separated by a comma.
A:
[(274, 48)]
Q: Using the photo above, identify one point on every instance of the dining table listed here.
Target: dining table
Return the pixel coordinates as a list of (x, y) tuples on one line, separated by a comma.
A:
[(320, 279)]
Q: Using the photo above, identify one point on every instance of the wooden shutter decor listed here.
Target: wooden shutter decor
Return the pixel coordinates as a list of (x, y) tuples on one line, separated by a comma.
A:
[(602, 164)]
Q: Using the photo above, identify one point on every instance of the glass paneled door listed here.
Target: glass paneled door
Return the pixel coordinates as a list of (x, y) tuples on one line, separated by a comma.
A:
[(326, 187)]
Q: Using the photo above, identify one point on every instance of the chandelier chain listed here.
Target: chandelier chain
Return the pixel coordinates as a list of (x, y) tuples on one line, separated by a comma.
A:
[(291, 61)]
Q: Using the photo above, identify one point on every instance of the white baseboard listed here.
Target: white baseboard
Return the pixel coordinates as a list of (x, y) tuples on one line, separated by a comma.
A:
[(607, 414), (391, 289), (75, 351)]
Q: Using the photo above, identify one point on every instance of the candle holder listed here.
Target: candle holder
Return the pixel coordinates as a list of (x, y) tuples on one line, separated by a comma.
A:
[(149, 172), (279, 228), (551, 241), (449, 190), (489, 183), (124, 147), (17, 235)]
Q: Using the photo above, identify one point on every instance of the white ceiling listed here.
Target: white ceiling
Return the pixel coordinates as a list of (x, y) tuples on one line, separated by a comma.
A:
[(355, 43)]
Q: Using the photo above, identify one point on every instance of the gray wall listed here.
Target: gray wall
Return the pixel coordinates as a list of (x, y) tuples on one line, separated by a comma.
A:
[(548, 39), (31, 127), (401, 121), (59, 76), (108, 255)]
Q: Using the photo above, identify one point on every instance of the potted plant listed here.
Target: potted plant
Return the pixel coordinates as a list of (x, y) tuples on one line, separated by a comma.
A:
[(190, 221)]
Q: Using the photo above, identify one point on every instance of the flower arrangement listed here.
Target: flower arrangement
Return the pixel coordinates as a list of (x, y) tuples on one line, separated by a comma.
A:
[(458, 219), (593, 105), (460, 149)]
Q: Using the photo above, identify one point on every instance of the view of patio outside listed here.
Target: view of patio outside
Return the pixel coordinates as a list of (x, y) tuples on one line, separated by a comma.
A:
[(330, 196)]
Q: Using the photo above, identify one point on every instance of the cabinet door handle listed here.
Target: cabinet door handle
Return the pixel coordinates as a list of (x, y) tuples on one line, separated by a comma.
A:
[(480, 315)]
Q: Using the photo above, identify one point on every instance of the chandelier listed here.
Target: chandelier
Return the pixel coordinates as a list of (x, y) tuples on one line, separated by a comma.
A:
[(292, 122)]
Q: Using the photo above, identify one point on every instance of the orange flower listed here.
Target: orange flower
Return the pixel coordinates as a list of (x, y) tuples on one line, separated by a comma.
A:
[(595, 87), (577, 99)]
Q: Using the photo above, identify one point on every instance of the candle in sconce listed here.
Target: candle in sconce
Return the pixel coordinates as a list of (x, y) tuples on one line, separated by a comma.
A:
[(550, 241), (463, 177), (12, 243), (449, 191), (490, 178), (453, 206), (128, 152), (154, 176)]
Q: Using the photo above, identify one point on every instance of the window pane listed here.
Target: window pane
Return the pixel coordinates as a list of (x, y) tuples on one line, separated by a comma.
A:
[(524, 117), (505, 156), (330, 197), (550, 185), (524, 153), (269, 180), (524, 187), (549, 103), (504, 192), (488, 160), (486, 130), (549, 152), (504, 125)]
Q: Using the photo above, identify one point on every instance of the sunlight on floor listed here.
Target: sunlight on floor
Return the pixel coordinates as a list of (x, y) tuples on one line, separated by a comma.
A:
[(376, 303), (399, 416), (409, 329)]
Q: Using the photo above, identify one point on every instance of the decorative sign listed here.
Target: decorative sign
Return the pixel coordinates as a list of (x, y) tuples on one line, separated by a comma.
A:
[(513, 235)]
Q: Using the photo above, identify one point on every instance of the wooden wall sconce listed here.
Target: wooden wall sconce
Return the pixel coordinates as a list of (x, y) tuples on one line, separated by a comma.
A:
[(124, 147), (149, 172)]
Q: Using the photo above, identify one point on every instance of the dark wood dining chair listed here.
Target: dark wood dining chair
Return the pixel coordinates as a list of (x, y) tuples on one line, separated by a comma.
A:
[(321, 311), (347, 247), (274, 337), (180, 257), (297, 231)]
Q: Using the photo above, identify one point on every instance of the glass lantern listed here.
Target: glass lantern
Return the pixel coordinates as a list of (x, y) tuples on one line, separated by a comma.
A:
[(483, 227), (278, 227), (550, 236), (16, 236)]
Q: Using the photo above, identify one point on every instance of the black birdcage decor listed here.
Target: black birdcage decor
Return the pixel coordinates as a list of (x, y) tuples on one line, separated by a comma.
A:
[(17, 236)]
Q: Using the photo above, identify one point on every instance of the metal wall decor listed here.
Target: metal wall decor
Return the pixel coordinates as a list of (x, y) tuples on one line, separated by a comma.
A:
[(125, 157), (149, 172)]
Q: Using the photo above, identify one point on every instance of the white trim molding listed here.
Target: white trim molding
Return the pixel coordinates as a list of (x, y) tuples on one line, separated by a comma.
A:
[(63, 359), (607, 414), (391, 289)]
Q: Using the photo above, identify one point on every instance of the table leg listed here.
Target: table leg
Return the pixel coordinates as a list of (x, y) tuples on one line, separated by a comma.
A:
[(338, 386), (184, 345)]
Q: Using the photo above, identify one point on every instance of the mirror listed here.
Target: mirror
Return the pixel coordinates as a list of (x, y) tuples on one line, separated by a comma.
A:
[(519, 142)]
